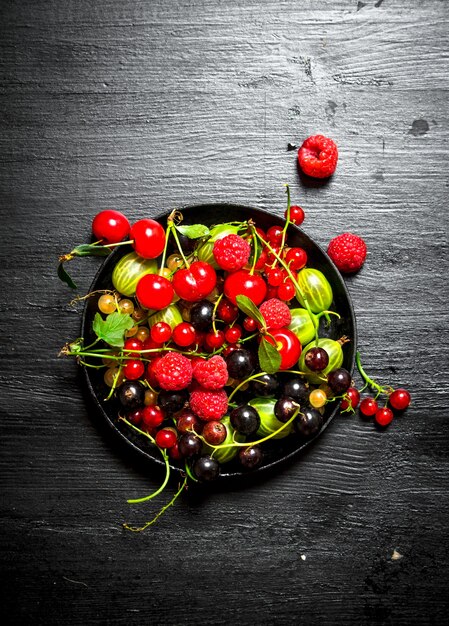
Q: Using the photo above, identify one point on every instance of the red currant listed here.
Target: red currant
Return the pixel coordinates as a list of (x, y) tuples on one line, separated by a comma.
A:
[(184, 334), (227, 351), (286, 290), (215, 340), (272, 292), (110, 226), (196, 282), (352, 398), (275, 276), (149, 238), (154, 292), (227, 311), (152, 417), (288, 345), (132, 344), (384, 416), (261, 261), (400, 399), (249, 324), (296, 258), (149, 374), (274, 235), (296, 214), (166, 438), (135, 417), (368, 407), (233, 334), (174, 452), (243, 283), (133, 369), (161, 332)]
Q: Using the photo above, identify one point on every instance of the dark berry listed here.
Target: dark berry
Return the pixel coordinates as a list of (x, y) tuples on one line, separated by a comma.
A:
[(201, 315), (316, 359), (245, 419), (131, 395), (339, 380), (265, 386), (284, 408), (241, 364), (297, 389), (172, 401), (188, 422), (250, 457), (189, 445), (206, 468), (309, 422), (214, 432)]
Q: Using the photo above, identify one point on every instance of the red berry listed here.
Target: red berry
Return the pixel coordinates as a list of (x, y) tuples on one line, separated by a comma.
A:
[(275, 313), (231, 252), (152, 417), (272, 292), (132, 344), (227, 351), (271, 254), (166, 438), (275, 276), (233, 334), (211, 374), (384, 416), (274, 235), (133, 369), (286, 290), (149, 238), (173, 371), (318, 156), (243, 283), (288, 345), (215, 340), (135, 417), (214, 432), (263, 257), (296, 258), (195, 283), (249, 324), (154, 292), (174, 452), (227, 311), (161, 332), (352, 397), (209, 405), (296, 215), (348, 252), (150, 375), (184, 334), (368, 407), (399, 399), (110, 226)]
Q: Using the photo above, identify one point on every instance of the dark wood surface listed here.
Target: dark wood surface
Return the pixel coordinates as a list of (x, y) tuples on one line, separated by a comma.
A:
[(144, 106)]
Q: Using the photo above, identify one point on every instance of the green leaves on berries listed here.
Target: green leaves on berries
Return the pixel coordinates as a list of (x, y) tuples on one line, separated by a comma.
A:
[(112, 329), (249, 308), (269, 357), (194, 231), (85, 249)]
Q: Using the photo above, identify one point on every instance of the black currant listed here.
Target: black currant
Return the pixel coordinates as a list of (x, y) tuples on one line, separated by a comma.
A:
[(241, 363), (172, 401), (297, 389), (285, 408), (201, 315), (189, 445), (206, 468), (308, 422), (339, 380), (131, 395), (316, 359), (245, 419), (250, 457), (265, 386)]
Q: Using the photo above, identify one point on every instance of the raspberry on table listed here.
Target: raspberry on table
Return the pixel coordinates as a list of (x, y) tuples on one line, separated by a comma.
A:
[(211, 374), (209, 405), (173, 371), (231, 252), (275, 313), (318, 156), (348, 252)]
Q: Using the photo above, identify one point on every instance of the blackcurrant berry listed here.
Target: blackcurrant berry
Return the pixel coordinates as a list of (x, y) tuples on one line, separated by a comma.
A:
[(265, 386), (316, 359), (250, 457), (201, 315), (172, 401), (309, 422), (245, 419), (206, 468), (241, 364), (285, 408), (297, 389), (339, 380), (189, 445), (131, 395)]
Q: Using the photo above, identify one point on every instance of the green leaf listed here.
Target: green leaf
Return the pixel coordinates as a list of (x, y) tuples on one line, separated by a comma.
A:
[(65, 277), (112, 329), (195, 231), (269, 357), (88, 249), (249, 308)]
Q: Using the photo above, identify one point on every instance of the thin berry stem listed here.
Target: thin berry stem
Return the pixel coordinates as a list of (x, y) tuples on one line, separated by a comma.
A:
[(137, 529)]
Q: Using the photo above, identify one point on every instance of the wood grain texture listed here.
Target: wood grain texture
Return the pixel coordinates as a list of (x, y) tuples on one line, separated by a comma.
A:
[(144, 106)]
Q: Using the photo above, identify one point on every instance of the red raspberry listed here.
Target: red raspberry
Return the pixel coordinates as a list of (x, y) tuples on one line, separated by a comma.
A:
[(318, 156), (275, 313), (348, 252), (209, 405), (211, 374), (173, 371), (231, 252)]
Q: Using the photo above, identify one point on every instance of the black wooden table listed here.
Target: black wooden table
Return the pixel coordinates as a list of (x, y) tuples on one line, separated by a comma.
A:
[(147, 105)]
